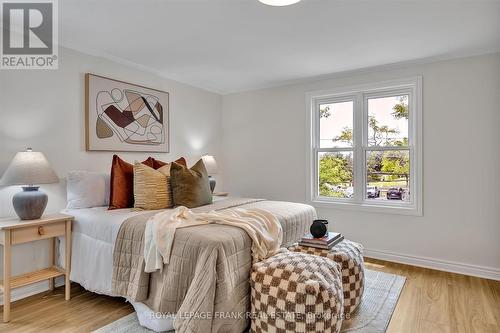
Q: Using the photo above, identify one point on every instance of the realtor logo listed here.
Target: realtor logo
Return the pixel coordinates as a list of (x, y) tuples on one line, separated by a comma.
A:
[(29, 34)]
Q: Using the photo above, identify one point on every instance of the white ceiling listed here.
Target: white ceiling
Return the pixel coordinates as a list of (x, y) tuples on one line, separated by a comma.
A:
[(234, 45)]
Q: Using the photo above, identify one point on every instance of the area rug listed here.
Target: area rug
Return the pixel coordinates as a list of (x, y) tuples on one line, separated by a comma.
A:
[(381, 294)]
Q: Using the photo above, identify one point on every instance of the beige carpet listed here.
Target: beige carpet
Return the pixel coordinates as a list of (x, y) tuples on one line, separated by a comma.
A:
[(372, 316)]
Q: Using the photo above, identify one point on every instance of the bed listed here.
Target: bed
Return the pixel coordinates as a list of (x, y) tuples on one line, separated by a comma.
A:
[(95, 232)]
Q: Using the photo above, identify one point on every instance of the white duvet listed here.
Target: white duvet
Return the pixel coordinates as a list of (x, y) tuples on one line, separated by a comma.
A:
[(93, 241)]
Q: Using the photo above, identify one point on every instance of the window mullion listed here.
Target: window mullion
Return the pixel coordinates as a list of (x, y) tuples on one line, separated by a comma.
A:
[(333, 150), (387, 148), (358, 148)]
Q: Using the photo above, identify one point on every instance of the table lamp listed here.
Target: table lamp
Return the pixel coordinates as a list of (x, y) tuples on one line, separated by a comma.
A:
[(211, 166), (27, 168)]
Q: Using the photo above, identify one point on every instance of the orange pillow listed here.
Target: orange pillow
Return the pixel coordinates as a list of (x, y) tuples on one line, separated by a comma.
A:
[(121, 190), (158, 164)]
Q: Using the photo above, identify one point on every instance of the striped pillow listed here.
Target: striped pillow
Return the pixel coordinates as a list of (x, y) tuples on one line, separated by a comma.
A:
[(152, 187)]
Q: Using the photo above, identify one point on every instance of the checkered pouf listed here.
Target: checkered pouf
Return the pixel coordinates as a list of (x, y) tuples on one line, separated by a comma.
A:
[(296, 292), (350, 256)]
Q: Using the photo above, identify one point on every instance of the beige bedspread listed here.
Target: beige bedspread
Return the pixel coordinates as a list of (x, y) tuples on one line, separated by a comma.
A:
[(206, 283)]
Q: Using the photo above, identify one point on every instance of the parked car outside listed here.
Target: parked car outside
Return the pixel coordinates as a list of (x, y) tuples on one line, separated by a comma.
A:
[(372, 192), (349, 192), (395, 193)]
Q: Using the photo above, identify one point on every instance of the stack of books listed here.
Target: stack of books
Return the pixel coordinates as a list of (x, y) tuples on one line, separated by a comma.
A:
[(326, 242)]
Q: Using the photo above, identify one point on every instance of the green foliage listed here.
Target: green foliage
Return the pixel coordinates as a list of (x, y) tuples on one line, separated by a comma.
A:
[(345, 136), (397, 163), (402, 143), (374, 166), (388, 165), (400, 110), (334, 170), (325, 112), (329, 192)]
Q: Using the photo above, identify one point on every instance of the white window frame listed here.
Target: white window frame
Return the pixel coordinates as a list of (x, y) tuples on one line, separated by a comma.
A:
[(360, 95)]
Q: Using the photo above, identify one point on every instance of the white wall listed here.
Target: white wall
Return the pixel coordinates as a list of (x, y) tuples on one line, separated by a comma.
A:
[(45, 110), (264, 150), (264, 155)]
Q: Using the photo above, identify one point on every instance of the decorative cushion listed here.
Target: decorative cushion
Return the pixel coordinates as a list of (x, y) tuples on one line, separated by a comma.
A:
[(350, 257), (158, 164), (296, 292), (152, 187), (190, 187), (122, 181), (87, 189), (121, 193)]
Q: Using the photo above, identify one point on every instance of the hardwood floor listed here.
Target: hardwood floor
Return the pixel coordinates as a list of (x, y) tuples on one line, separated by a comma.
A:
[(436, 301), (431, 301), (49, 312)]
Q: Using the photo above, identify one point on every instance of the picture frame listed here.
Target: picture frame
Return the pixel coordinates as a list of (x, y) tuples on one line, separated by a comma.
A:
[(125, 117)]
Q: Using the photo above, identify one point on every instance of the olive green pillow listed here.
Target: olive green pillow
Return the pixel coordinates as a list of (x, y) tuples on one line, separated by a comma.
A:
[(190, 187)]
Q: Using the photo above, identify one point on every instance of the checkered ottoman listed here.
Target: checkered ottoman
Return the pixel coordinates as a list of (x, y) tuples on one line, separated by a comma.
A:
[(350, 256), (296, 292)]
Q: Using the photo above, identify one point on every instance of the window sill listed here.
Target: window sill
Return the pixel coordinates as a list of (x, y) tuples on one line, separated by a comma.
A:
[(368, 207)]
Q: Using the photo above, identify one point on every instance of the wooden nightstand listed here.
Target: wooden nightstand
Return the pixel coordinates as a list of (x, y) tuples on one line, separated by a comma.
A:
[(14, 231)]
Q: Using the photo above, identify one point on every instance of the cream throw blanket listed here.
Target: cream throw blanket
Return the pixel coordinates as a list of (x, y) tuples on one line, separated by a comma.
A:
[(261, 226)]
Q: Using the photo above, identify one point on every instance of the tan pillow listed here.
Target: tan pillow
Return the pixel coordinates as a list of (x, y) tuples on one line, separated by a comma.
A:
[(190, 187), (152, 187)]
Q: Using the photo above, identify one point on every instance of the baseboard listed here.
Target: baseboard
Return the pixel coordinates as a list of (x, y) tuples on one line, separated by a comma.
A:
[(30, 290), (441, 265)]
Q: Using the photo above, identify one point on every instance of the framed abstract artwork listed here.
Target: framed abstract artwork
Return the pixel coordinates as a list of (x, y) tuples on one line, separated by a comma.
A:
[(121, 116)]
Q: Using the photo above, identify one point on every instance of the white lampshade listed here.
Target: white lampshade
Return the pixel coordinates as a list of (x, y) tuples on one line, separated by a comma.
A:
[(279, 2), (29, 168), (210, 164)]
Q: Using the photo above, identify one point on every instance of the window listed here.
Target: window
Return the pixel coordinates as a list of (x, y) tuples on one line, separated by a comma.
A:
[(365, 147)]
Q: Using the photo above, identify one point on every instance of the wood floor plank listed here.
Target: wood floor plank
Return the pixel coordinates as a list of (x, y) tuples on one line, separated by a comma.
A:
[(49, 312), (435, 301), (431, 302)]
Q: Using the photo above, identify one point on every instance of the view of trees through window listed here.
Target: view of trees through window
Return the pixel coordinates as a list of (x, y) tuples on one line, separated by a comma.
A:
[(387, 149), (336, 174)]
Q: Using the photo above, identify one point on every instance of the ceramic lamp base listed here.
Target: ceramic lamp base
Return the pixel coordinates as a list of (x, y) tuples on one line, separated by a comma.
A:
[(212, 183), (30, 203)]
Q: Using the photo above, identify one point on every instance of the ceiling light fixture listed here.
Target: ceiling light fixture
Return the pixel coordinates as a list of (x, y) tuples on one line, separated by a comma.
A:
[(279, 2)]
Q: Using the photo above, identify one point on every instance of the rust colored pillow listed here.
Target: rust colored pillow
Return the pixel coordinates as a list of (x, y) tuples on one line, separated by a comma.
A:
[(121, 190), (158, 164)]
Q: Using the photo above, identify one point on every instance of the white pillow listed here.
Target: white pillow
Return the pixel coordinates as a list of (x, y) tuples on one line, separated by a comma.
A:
[(87, 189)]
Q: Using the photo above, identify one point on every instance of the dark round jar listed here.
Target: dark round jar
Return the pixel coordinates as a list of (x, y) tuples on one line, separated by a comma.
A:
[(318, 228)]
